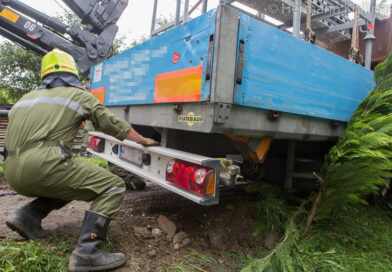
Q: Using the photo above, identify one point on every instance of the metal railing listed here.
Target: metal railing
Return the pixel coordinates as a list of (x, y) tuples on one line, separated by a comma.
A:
[(329, 20)]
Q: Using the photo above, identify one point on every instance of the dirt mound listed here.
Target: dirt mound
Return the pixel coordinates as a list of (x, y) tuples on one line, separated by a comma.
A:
[(212, 232), (216, 238)]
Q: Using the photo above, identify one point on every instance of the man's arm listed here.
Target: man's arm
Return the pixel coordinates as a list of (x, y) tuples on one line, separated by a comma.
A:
[(106, 122), (133, 135)]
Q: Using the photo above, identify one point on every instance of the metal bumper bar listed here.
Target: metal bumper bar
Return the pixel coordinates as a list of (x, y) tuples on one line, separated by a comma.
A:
[(156, 170)]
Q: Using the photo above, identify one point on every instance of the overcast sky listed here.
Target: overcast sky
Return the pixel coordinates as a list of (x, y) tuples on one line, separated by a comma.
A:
[(136, 19)]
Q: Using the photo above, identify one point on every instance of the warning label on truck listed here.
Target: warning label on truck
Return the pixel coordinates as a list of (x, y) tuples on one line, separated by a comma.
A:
[(9, 15), (98, 73), (190, 119)]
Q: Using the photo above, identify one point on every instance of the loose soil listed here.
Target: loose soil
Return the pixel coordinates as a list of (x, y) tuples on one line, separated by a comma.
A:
[(221, 235)]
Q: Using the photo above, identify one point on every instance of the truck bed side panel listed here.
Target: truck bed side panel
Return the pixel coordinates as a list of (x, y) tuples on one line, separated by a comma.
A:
[(283, 73), (130, 77)]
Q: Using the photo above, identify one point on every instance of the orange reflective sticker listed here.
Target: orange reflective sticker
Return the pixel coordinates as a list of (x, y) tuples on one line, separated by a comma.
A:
[(99, 94), (9, 15), (211, 184), (179, 86)]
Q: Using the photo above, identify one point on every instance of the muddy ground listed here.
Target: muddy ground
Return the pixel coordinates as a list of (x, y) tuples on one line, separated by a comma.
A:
[(217, 238)]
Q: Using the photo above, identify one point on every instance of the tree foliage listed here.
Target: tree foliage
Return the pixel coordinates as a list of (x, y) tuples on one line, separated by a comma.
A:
[(382, 8), (361, 161), (19, 72), (358, 165)]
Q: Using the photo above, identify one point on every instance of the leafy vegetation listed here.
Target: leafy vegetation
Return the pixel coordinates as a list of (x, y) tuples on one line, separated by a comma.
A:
[(94, 160), (1, 169), (19, 72), (360, 163), (51, 254), (355, 238), (382, 9), (357, 166)]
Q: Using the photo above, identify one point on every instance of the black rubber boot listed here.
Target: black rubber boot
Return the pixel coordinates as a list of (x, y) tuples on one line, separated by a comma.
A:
[(132, 181), (87, 256), (135, 183), (26, 220)]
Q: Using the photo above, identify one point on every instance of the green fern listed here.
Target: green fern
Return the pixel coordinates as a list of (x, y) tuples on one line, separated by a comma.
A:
[(355, 167), (362, 159)]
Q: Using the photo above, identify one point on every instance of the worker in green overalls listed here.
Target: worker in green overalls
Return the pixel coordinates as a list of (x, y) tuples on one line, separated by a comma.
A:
[(42, 127)]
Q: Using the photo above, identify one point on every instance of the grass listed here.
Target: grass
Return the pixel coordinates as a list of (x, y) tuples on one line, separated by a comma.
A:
[(358, 238), (51, 254), (203, 262), (2, 169), (94, 160), (355, 239)]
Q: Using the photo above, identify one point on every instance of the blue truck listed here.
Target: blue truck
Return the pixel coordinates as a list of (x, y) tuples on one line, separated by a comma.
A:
[(226, 85)]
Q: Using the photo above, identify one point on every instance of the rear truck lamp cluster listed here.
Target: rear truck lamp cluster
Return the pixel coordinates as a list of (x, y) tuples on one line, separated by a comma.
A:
[(192, 177), (96, 144)]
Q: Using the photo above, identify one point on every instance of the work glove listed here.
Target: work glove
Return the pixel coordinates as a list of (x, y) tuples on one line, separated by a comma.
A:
[(148, 142)]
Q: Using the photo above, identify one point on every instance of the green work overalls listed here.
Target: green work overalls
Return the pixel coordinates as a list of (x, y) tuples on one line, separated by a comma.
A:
[(41, 124)]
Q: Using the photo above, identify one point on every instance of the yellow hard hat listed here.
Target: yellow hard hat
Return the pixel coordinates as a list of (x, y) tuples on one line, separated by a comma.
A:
[(58, 61)]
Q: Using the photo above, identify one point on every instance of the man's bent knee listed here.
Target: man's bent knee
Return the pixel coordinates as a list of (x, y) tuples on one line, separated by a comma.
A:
[(109, 202)]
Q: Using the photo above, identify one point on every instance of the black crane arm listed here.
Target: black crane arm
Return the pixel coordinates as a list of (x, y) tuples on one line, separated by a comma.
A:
[(88, 45)]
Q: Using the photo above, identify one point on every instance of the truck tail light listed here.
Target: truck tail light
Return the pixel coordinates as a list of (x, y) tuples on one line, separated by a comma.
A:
[(96, 144), (192, 177)]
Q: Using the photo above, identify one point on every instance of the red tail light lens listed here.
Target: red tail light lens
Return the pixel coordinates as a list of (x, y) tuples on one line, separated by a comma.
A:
[(192, 177), (97, 144)]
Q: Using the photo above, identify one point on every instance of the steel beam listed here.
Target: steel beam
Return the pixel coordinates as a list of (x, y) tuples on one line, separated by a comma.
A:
[(173, 23), (154, 17), (227, 2), (178, 13), (320, 16), (204, 7), (257, 17), (297, 18), (370, 36), (186, 8), (363, 14), (260, 15), (163, 28), (225, 54), (244, 121), (195, 7), (330, 29), (22, 42), (288, 184)]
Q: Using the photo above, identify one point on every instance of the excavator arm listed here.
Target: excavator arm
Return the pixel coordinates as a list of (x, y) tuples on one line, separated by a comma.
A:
[(39, 33)]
